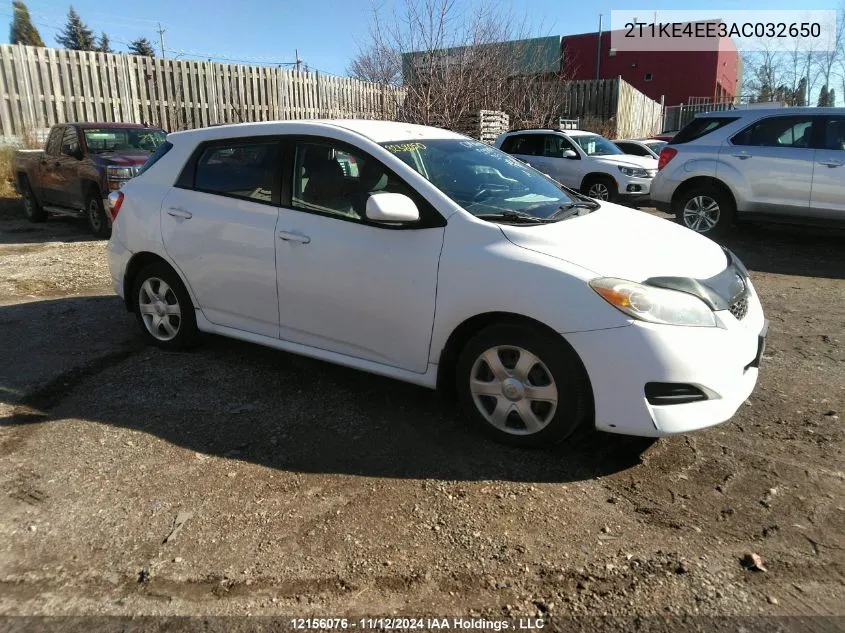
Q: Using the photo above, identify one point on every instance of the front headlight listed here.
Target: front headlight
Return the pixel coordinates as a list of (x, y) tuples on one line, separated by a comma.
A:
[(634, 172), (655, 305), (119, 172)]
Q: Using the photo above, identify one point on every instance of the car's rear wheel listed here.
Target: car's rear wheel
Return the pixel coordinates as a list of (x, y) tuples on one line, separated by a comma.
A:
[(705, 210), (164, 308), (522, 386), (95, 215), (601, 188), (33, 211)]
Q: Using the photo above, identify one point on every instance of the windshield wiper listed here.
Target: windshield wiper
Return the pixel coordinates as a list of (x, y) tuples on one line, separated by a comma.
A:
[(571, 209), (517, 217)]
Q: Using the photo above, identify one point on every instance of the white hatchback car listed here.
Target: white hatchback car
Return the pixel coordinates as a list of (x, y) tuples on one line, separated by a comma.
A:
[(419, 254), (584, 161)]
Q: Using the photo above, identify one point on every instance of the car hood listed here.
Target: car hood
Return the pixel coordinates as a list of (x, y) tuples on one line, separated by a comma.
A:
[(615, 241), (628, 160), (123, 159)]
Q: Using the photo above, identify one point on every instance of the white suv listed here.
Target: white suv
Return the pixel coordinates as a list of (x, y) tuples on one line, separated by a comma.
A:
[(583, 161), (766, 165), (423, 255)]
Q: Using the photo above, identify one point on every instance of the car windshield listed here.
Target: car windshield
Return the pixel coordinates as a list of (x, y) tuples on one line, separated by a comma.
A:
[(120, 139), (595, 145), (481, 179)]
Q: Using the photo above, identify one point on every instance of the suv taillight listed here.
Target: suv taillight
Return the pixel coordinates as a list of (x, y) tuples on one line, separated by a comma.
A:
[(666, 154), (115, 201)]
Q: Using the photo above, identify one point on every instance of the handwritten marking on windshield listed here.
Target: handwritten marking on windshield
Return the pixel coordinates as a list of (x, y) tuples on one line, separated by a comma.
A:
[(404, 147)]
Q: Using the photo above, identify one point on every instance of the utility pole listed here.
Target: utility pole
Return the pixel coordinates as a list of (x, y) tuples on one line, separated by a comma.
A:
[(161, 38), (298, 61)]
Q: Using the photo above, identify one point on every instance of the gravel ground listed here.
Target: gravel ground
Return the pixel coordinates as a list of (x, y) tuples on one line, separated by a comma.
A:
[(239, 480)]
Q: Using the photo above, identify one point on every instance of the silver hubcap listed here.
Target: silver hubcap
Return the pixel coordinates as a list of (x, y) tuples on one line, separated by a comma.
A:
[(94, 215), (514, 390), (599, 191), (701, 214), (159, 309)]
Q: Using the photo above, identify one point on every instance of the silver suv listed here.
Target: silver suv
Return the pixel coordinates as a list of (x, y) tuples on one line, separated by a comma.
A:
[(770, 165)]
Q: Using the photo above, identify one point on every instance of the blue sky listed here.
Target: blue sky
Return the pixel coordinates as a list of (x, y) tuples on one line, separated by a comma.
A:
[(326, 32)]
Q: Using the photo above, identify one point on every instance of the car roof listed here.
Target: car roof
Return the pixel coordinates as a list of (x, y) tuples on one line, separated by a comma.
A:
[(376, 131), (98, 126), (756, 112), (540, 130)]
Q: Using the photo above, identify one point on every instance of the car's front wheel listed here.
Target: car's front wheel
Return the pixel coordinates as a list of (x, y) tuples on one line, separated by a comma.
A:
[(601, 188), (33, 211), (522, 386), (164, 308), (705, 210)]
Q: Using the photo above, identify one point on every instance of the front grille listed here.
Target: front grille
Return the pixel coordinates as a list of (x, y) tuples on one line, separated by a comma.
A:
[(739, 308)]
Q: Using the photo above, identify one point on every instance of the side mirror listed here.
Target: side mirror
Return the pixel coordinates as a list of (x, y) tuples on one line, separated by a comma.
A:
[(71, 150), (392, 207), (570, 154)]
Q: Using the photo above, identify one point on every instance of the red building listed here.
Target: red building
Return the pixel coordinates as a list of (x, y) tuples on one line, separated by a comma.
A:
[(676, 76)]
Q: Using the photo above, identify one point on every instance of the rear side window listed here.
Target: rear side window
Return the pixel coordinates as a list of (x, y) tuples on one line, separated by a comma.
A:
[(524, 144), (251, 171), (697, 128), (777, 131), (161, 150)]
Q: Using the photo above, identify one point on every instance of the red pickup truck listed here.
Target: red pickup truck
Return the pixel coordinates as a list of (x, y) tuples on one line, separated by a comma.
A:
[(79, 166)]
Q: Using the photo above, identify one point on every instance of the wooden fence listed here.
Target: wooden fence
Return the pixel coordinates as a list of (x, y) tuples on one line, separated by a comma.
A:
[(40, 87), (628, 112)]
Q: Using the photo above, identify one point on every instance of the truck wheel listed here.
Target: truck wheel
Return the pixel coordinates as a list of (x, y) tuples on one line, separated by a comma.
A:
[(95, 214), (601, 188), (33, 211)]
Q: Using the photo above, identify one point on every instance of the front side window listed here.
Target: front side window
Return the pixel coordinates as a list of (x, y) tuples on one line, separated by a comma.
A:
[(54, 142), (480, 178), (336, 180), (595, 145), (118, 139), (70, 141), (777, 131), (834, 133), (554, 145), (241, 170)]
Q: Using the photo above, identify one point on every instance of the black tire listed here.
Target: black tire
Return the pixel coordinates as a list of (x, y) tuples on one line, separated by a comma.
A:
[(95, 215), (558, 367), (185, 325), (33, 211), (688, 203), (593, 184)]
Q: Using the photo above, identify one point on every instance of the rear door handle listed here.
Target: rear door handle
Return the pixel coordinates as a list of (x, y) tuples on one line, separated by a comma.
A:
[(294, 237), (179, 212), (743, 155), (831, 163)]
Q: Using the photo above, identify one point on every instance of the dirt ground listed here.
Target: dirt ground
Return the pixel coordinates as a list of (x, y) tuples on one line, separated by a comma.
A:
[(238, 480)]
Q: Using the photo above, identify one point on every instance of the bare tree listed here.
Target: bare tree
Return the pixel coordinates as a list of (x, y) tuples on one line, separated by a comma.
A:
[(456, 59)]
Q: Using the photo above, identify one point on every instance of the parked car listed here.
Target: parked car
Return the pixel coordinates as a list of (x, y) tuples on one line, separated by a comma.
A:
[(442, 262), (768, 165), (649, 148), (583, 161), (80, 164), (665, 136)]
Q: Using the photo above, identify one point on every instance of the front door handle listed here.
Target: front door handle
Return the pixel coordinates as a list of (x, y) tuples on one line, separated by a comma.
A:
[(179, 212), (831, 163), (294, 237), (743, 155)]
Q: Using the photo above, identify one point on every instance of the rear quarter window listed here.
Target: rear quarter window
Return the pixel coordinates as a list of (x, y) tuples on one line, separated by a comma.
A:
[(160, 151), (701, 127)]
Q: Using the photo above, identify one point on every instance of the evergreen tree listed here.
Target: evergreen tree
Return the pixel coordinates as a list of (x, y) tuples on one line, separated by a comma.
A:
[(831, 98), (103, 44), (22, 30), (142, 46), (823, 96), (800, 98), (76, 35)]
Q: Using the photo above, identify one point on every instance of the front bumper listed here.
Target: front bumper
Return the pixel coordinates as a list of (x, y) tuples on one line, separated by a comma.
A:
[(118, 258), (630, 188), (719, 361)]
